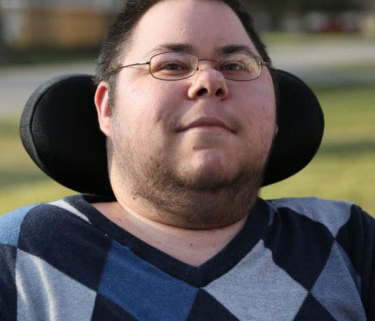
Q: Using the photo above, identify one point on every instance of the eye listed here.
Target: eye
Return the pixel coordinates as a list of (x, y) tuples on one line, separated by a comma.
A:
[(173, 66), (232, 66)]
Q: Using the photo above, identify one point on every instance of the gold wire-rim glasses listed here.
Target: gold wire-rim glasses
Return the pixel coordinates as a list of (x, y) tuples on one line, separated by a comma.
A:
[(194, 66)]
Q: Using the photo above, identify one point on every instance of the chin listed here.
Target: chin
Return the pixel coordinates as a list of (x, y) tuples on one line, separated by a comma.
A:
[(207, 178)]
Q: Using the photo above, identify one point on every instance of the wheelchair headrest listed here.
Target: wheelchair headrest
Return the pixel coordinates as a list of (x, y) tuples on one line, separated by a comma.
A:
[(60, 131)]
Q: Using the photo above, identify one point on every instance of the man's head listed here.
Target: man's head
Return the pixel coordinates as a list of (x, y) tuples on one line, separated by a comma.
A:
[(120, 34), (193, 149)]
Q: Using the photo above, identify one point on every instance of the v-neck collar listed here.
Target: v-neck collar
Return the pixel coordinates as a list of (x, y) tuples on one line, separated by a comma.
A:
[(254, 229)]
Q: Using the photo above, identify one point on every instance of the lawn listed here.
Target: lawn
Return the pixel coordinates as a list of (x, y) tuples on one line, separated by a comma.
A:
[(343, 169)]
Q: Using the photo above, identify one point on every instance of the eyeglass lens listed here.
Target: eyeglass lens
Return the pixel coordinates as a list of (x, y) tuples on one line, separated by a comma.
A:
[(175, 66)]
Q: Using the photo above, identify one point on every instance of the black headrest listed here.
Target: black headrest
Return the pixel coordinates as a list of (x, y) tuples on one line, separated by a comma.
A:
[(60, 131)]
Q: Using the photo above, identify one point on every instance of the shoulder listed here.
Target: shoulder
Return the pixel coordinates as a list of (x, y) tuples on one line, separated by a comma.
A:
[(36, 218), (339, 235), (347, 231), (10, 224), (49, 250), (334, 215)]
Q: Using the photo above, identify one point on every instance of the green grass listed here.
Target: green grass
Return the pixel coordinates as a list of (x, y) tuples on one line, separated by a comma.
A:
[(21, 182), (343, 169)]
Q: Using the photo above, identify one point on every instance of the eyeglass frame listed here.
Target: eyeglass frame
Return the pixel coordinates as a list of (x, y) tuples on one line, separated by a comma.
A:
[(259, 60)]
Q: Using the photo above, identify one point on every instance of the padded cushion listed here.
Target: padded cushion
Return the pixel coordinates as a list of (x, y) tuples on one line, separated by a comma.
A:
[(60, 132), (301, 127)]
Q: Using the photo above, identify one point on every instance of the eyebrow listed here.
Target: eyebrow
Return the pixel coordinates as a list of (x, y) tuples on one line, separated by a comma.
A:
[(229, 49), (188, 48), (171, 47)]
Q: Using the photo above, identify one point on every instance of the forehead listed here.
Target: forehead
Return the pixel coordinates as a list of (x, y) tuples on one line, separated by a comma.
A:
[(205, 25)]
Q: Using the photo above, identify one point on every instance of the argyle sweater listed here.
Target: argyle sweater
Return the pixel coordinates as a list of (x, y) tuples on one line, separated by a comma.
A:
[(295, 259)]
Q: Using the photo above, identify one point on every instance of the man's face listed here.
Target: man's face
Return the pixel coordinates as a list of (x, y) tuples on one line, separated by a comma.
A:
[(200, 133)]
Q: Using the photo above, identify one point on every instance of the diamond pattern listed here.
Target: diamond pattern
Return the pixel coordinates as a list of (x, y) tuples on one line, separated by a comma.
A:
[(257, 289), (336, 290), (45, 293), (53, 265), (331, 214), (10, 225), (312, 310), (8, 299), (144, 291), (308, 254), (106, 310), (208, 308), (82, 249)]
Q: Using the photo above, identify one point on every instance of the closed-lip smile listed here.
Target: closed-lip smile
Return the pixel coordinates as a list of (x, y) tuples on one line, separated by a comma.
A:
[(206, 122)]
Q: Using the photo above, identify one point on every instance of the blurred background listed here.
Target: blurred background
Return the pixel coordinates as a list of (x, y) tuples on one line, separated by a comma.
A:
[(330, 44)]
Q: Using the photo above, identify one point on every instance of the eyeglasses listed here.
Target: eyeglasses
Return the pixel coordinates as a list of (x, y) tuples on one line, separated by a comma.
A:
[(173, 66)]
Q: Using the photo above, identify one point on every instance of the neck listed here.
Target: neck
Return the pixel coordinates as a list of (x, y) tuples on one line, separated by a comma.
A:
[(191, 246)]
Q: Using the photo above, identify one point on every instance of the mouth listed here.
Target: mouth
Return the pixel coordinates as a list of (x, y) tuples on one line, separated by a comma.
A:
[(207, 123)]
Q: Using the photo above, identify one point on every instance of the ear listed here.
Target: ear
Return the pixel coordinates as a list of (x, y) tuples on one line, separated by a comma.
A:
[(103, 107)]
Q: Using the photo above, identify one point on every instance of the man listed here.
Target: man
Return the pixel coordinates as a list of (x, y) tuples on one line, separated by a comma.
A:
[(187, 103)]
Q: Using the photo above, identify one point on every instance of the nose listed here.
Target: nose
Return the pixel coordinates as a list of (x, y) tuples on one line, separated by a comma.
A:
[(208, 82)]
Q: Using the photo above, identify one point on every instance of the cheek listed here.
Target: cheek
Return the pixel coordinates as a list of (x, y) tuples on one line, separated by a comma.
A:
[(146, 108), (260, 117), (153, 99)]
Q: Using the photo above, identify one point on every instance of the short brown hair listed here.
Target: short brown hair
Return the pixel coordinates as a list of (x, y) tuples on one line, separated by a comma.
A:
[(120, 33)]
